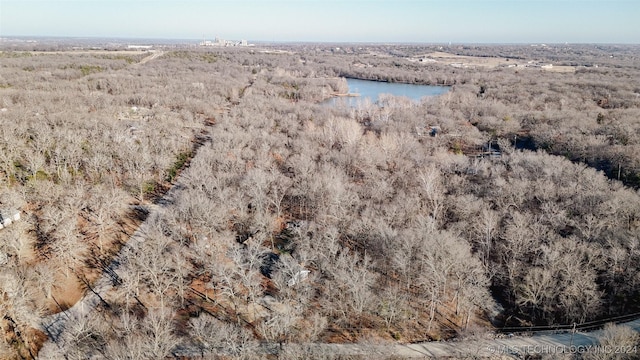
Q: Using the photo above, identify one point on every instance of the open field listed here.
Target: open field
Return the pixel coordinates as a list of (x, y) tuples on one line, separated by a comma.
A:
[(463, 61)]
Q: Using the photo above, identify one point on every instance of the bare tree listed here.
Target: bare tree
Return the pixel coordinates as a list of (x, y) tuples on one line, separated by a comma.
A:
[(617, 342), (158, 329)]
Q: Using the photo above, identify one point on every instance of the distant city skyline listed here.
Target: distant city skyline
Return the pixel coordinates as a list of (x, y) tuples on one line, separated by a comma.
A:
[(402, 21)]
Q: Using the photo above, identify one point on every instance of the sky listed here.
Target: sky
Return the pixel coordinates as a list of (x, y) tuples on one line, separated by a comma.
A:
[(401, 21)]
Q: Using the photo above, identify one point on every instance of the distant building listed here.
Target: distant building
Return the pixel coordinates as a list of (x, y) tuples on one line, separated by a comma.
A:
[(223, 43), (140, 47)]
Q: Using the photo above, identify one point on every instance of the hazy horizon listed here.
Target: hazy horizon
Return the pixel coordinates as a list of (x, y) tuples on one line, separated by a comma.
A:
[(351, 21), (167, 40)]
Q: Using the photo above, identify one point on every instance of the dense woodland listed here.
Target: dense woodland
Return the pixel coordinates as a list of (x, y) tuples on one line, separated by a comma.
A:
[(293, 221)]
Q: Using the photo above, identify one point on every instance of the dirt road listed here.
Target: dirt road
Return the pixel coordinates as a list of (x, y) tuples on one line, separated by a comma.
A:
[(154, 55), (516, 347)]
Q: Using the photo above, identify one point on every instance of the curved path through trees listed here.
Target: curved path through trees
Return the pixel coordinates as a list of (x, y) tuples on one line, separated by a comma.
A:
[(54, 325), (516, 346), (504, 347)]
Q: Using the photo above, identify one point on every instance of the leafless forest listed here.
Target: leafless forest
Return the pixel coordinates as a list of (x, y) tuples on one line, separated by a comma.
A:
[(292, 221)]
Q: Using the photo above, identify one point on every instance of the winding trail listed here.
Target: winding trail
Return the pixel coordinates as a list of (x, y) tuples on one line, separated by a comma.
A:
[(516, 347), (54, 325)]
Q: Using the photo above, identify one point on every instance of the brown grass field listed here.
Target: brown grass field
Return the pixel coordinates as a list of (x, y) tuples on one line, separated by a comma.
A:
[(487, 62)]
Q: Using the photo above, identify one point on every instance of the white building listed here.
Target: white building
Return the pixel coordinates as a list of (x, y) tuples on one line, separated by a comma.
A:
[(221, 42), (140, 47)]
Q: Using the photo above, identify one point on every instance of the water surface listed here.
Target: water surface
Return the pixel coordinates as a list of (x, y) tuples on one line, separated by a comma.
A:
[(371, 91)]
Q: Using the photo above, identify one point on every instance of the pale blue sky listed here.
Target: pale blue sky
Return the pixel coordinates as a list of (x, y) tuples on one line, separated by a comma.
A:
[(430, 21)]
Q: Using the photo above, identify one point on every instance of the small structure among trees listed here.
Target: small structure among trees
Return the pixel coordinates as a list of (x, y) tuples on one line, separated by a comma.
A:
[(7, 217)]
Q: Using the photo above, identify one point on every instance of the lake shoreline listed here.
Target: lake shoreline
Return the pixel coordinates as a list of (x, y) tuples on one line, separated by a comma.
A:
[(363, 90)]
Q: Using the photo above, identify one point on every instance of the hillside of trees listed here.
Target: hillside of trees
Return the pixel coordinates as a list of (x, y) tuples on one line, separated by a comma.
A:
[(293, 221)]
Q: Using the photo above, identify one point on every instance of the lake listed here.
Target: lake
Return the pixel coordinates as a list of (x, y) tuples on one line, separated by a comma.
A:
[(372, 90)]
